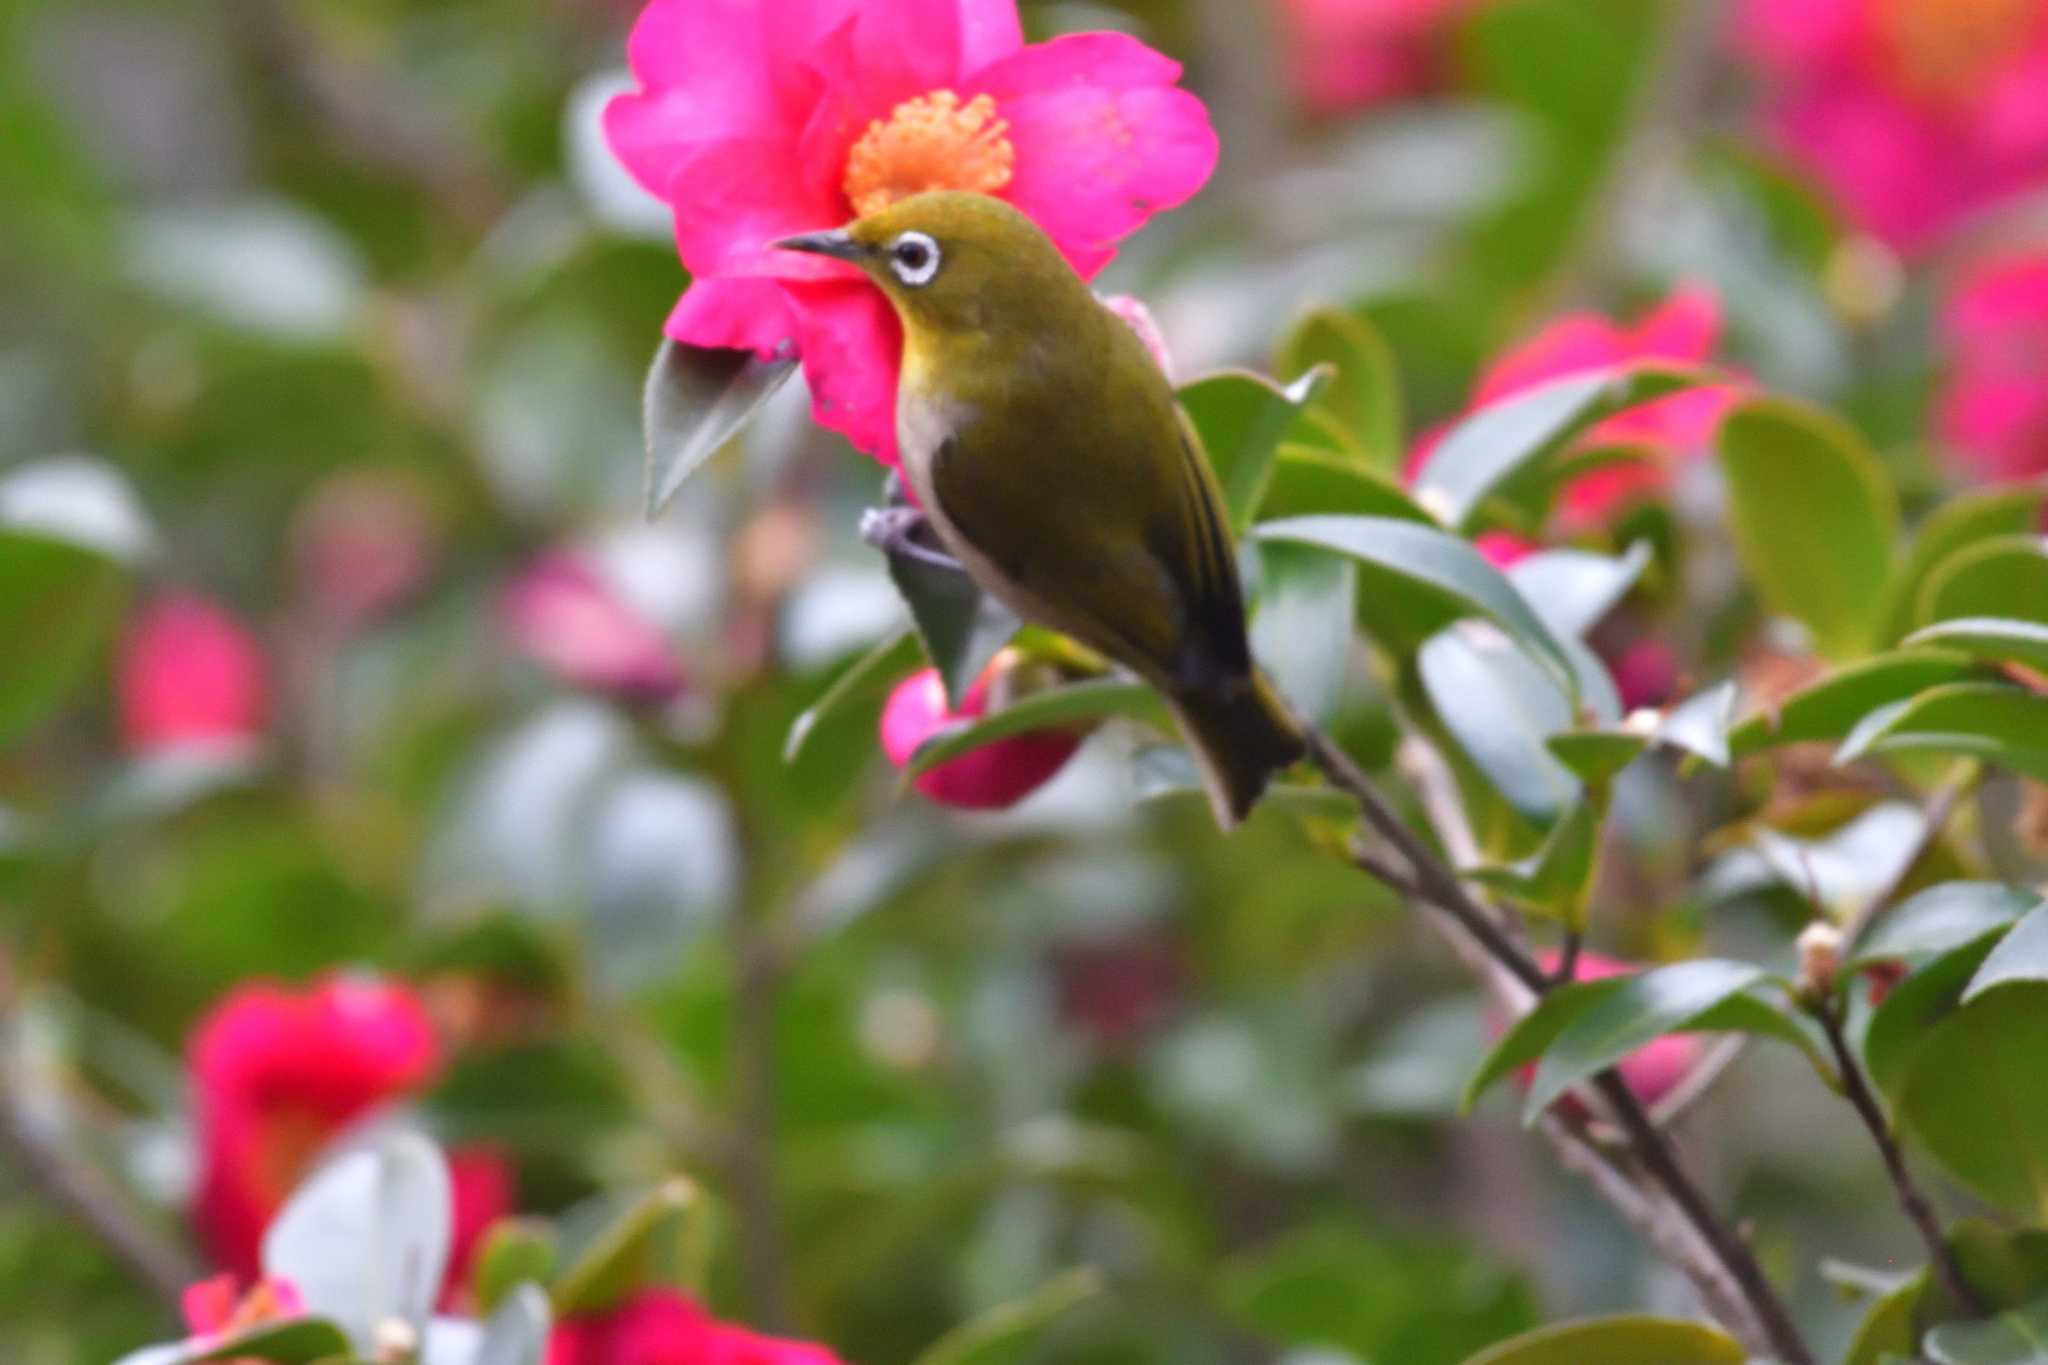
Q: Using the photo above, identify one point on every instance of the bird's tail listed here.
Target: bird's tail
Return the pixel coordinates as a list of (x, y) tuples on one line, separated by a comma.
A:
[(1240, 734)]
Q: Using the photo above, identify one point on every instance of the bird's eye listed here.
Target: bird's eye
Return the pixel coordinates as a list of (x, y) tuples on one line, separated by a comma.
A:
[(914, 258)]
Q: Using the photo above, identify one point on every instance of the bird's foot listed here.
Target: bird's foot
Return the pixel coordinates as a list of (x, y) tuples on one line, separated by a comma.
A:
[(898, 531)]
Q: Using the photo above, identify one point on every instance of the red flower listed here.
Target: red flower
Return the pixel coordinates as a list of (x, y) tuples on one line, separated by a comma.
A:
[(1685, 329), (363, 544), (1993, 410), (661, 1327), (482, 1190), (189, 673), (564, 616), (1343, 54), (992, 777), (1913, 113), (276, 1074), (756, 122)]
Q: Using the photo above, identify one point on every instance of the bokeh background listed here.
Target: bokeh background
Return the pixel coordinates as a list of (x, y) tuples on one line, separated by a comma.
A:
[(326, 323)]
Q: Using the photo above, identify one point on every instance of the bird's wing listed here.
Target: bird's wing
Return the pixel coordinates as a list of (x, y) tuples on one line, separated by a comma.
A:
[(1125, 549)]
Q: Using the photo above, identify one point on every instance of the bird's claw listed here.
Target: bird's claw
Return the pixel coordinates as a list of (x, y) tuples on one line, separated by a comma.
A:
[(894, 530)]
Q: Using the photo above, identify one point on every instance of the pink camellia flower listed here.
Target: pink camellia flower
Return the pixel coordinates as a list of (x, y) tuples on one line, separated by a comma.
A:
[(276, 1074), (189, 673), (216, 1309), (1652, 1070), (1346, 54), (661, 1327), (362, 545), (563, 615), (756, 122), (1913, 113), (1684, 329), (1504, 549), (992, 777), (1993, 409)]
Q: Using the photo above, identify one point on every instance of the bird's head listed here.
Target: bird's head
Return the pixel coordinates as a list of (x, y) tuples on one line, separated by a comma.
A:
[(953, 261)]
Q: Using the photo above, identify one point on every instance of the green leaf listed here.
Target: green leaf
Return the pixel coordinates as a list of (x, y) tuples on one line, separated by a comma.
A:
[(1596, 756), (1972, 1094), (1617, 1341), (516, 1333), (1814, 518), (1831, 708), (1957, 523), (1484, 453), (647, 1243), (697, 398), (1558, 878), (2022, 955), (1010, 1333), (2006, 576), (1941, 919), (1241, 418), (1700, 724), (2007, 726), (1572, 590), (1302, 631), (2016, 1338), (1308, 482), (1998, 639), (1056, 707), (1901, 1025), (1435, 568), (1363, 400), (1501, 708), (962, 627), (864, 680), (513, 1251), (68, 600), (298, 1342)]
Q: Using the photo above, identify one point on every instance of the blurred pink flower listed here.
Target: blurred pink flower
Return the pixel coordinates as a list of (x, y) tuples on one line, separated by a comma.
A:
[(1139, 319), (276, 1074), (1993, 410), (992, 777), (1118, 990), (363, 544), (189, 673), (563, 615), (482, 1185), (1345, 54), (1504, 549), (1653, 1069), (1913, 113), (1645, 672), (216, 1308), (1686, 329), (662, 1327), (756, 122)]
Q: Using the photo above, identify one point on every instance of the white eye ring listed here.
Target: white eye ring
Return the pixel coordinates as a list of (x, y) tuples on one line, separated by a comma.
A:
[(914, 259)]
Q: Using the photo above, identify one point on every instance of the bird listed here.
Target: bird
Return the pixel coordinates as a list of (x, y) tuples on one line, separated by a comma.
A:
[(1046, 450)]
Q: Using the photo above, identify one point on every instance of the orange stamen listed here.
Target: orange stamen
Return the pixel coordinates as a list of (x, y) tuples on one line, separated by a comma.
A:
[(1945, 50), (933, 142)]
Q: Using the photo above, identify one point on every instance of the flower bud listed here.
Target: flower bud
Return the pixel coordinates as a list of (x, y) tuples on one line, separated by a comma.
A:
[(992, 777), (1820, 960), (189, 673)]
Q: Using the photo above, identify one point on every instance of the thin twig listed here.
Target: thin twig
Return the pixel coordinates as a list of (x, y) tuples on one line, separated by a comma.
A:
[(1857, 1088), (1431, 881), (1568, 958)]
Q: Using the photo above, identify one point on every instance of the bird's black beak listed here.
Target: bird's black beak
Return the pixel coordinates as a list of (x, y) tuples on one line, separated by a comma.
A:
[(838, 243)]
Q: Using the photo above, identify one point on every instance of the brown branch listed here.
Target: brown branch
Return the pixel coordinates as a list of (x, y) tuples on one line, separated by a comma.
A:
[(1918, 1209), (1427, 878)]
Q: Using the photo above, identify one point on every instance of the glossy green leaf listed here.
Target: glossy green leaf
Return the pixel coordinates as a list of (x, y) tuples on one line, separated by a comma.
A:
[(1556, 880), (299, 1342), (647, 1241), (1942, 918), (1814, 518), (1902, 1024), (1485, 452), (1701, 723), (1501, 708), (1973, 1096), (1439, 568), (1960, 522), (2022, 955), (864, 680), (2005, 577), (1363, 397), (1302, 631), (696, 399), (2006, 726), (962, 627), (1080, 703), (1309, 482), (1572, 590), (513, 1251), (2016, 1338), (1617, 1341), (1241, 418), (1596, 756), (1011, 1333), (1998, 639), (1831, 708)]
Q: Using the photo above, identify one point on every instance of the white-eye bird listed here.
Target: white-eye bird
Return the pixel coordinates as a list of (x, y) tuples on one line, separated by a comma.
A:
[(1045, 447)]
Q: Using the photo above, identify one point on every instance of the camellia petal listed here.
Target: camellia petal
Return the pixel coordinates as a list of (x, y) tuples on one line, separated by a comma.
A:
[(742, 314), (1112, 61), (730, 212), (852, 347)]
